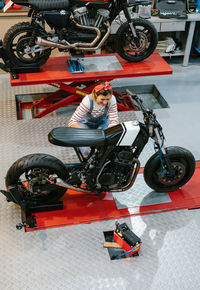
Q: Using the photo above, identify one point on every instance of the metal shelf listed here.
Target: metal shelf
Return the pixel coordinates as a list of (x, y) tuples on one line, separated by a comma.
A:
[(163, 54)]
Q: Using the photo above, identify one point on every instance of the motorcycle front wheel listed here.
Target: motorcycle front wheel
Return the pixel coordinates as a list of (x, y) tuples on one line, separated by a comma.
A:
[(19, 45), (131, 50), (183, 163), (35, 176)]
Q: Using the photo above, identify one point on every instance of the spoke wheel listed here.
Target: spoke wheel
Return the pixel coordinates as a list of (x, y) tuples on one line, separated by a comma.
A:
[(23, 51), (20, 47)]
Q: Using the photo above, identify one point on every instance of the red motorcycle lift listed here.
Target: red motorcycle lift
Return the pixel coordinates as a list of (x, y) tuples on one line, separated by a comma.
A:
[(73, 87), (78, 207)]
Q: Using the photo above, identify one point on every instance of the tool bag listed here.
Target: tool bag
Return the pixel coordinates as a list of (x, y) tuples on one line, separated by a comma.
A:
[(172, 9)]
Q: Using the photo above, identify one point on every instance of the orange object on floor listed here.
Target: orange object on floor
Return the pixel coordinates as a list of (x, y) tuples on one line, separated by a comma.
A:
[(14, 6), (80, 207), (124, 245)]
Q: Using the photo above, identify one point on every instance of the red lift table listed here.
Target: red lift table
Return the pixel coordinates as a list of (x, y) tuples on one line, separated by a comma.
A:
[(55, 73)]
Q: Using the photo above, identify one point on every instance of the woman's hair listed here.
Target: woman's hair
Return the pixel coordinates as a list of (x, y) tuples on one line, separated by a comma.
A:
[(103, 88)]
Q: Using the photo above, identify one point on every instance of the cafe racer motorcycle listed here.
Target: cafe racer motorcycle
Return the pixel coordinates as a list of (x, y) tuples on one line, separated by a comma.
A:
[(77, 26), (111, 166)]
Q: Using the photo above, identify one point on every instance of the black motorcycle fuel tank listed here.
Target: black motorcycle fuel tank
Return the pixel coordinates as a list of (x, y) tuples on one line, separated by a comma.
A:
[(113, 134), (45, 4)]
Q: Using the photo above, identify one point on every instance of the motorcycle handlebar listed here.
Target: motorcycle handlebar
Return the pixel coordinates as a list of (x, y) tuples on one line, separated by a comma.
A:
[(149, 116), (138, 101)]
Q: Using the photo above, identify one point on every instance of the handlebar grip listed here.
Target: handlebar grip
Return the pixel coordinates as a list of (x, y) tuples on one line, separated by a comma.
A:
[(130, 93), (138, 100), (134, 96), (150, 130)]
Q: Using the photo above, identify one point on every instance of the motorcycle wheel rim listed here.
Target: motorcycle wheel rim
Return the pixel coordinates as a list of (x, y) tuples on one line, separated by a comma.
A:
[(18, 45), (180, 172), (130, 48), (32, 184)]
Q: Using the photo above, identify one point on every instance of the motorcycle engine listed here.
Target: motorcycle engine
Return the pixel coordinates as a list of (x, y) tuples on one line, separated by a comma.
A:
[(117, 173), (91, 16)]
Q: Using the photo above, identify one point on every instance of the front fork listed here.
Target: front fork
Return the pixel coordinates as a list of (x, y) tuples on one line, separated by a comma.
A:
[(128, 17), (163, 156)]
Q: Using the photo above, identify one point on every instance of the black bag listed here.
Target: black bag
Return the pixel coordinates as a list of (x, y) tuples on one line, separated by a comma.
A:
[(172, 9)]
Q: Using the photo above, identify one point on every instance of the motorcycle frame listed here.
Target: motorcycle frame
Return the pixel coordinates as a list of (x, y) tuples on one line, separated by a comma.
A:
[(118, 5), (138, 144)]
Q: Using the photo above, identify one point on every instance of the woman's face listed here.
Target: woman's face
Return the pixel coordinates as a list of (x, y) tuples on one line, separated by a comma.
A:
[(103, 100)]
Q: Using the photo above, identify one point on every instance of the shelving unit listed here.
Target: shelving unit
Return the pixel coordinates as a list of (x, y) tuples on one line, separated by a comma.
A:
[(186, 25)]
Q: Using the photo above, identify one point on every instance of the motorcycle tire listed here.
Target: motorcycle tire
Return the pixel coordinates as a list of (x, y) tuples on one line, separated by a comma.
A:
[(183, 162), (40, 172), (148, 39), (15, 43)]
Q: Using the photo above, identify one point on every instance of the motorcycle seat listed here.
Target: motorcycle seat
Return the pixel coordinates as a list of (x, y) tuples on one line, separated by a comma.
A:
[(49, 4), (75, 137)]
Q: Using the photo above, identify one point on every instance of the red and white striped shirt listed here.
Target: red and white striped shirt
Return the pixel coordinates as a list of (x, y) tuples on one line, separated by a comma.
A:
[(98, 110)]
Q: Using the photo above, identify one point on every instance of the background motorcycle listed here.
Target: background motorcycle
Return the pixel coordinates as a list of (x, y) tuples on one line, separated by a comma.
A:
[(77, 26), (112, 164)]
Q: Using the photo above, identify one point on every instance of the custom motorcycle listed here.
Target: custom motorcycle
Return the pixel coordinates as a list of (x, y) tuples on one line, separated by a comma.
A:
[(77, 26), (112, 164)]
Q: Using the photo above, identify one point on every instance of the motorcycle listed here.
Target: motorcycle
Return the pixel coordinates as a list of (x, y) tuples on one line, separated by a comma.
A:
[(77, 26), (111, 166)]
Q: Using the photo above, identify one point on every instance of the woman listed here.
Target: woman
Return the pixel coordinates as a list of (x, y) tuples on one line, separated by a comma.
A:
[(97, 110)]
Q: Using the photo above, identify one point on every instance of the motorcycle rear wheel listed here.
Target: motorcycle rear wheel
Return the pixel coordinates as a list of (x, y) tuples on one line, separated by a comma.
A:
[(35, 176), (148, 39), (184, 165), (16, 45)]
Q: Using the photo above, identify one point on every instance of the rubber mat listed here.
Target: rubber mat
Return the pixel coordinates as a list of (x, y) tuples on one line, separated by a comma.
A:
[(80, 208)]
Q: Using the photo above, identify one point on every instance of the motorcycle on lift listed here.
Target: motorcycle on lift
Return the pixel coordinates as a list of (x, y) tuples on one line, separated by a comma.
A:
[(111, 166), (77, 26)]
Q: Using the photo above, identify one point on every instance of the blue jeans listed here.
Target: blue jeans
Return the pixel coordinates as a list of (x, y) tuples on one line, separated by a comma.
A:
[(103, 125)]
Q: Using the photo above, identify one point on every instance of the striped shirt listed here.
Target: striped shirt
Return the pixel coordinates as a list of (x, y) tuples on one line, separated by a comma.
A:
[(98, 110)]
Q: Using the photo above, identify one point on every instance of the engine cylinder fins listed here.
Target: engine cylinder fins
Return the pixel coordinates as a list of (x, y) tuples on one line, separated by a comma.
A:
[(82, 16), (106, 179)]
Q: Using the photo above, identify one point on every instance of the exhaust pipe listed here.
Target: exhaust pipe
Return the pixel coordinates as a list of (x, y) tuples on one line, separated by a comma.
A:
[(131, 179), (68, 186), (78, 45), (129, 183)]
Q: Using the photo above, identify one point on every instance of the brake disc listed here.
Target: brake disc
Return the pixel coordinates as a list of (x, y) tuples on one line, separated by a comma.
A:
[(179, 174)]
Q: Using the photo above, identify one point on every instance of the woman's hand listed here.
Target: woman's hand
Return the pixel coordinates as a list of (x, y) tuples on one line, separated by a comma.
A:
[(111, 125), (76, 125)]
